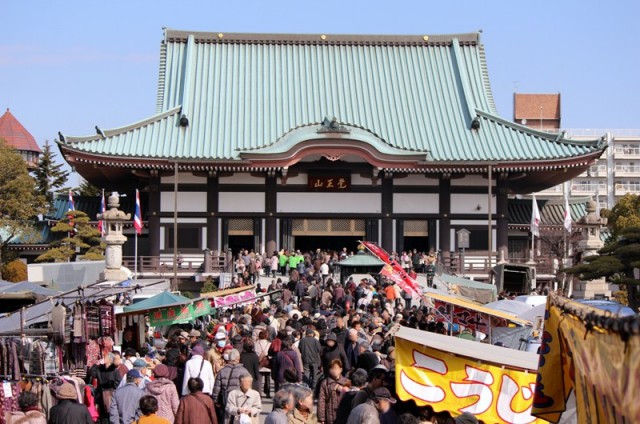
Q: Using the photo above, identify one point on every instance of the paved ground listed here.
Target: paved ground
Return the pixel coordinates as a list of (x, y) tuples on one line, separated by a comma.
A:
[(267, 406)]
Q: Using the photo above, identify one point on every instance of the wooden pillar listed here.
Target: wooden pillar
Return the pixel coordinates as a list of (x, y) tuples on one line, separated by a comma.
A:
[(154, 214), (502, 218), (212, 212), (270, 208), (432, 234), (444, 202), (387, 212)]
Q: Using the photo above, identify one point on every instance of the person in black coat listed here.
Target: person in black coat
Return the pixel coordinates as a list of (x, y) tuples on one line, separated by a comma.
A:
[(68, 410), (367, 360), (249, 359), (341, 332), (333, 350)]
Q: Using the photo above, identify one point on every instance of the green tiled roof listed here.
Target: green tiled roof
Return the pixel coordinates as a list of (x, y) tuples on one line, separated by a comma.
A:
[(246, 92), (551, 211)]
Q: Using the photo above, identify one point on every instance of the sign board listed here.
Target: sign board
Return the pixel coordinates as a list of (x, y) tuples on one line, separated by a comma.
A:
[(463, 238), (180, 314), (235, 299), (490, 391), (329, 182)]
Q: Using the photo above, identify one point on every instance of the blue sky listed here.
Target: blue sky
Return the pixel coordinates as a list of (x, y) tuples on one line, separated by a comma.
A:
[(71, 65)]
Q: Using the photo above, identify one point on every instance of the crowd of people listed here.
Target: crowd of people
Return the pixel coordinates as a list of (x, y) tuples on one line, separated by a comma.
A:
[(250, 266), (325, 348)]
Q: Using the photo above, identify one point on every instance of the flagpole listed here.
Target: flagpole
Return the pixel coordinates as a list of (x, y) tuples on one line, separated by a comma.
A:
[(135, 255), (566, 249)]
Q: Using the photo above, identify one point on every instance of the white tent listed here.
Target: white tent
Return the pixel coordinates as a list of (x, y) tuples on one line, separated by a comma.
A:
[(512, 307)]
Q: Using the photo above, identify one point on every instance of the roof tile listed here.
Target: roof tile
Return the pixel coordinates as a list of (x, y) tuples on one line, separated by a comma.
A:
[(16, 135)]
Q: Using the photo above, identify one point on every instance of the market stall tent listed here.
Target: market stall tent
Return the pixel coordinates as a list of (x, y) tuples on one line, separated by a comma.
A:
[(161, 300)]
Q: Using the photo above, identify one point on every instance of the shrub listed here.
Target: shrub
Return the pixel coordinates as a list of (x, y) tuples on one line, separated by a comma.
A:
[(14, 271)]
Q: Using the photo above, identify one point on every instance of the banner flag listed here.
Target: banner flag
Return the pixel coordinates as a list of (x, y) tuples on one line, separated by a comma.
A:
[(393, 270), (490, 391), (535, 218), (591, 353), (235, 299)]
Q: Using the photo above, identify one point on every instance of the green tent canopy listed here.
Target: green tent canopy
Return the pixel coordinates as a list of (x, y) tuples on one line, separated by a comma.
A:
[(167, 308), (161, 300)]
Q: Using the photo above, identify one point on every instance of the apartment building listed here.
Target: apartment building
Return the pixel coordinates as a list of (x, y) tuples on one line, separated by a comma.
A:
[(615, 174)]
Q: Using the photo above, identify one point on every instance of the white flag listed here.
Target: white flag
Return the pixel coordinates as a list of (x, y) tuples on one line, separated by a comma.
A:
[(535, 218), (567, 215)]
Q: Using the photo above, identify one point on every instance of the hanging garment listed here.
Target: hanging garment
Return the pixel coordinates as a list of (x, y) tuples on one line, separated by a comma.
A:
[(14, 361), (51, 359), (48, 400), (9, 404), (58, 316), (90, 401), (93, 353), (79, 318), (36, 358), (68, 326), (107, 320), (93, 320)]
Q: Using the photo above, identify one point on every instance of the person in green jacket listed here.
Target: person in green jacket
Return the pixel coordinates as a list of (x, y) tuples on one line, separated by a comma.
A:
[(293, 261), (282, 262)]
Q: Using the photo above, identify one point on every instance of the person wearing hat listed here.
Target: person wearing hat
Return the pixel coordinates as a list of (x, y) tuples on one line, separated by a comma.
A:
[(125, 403), (218, 348), (369, 412), (183, 342), (68, 410), (165, 393), (198, 366), (310, 350), (195, 339), (142, 367), (332, 351)]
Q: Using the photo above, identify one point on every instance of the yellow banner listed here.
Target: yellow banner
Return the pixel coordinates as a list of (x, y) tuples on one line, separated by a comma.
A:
[(457, 384), (601, 365)]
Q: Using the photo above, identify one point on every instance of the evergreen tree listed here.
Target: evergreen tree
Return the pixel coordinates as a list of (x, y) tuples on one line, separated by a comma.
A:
[(20, 203), (87, 189), (616, 262), (82, 240), (50, 177)]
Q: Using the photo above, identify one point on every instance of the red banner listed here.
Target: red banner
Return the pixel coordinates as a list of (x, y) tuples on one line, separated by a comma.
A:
[(393, 270)]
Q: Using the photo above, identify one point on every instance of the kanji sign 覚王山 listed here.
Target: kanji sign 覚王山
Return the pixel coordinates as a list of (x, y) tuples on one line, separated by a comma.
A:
[(329, 182)]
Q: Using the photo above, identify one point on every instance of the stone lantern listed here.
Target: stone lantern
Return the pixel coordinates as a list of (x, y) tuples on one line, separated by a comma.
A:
[(114, 239), (591, 242)]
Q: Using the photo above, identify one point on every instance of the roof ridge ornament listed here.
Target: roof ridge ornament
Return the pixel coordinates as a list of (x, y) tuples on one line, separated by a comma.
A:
[(331, 125)]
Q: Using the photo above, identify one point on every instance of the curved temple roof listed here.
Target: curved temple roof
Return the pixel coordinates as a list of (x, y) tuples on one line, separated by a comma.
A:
[(427, 96)]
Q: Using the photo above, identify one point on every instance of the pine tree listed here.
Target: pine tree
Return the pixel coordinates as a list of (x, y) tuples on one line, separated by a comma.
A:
[(82, 240), (616, 262), (87, 189), (49, 175)]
